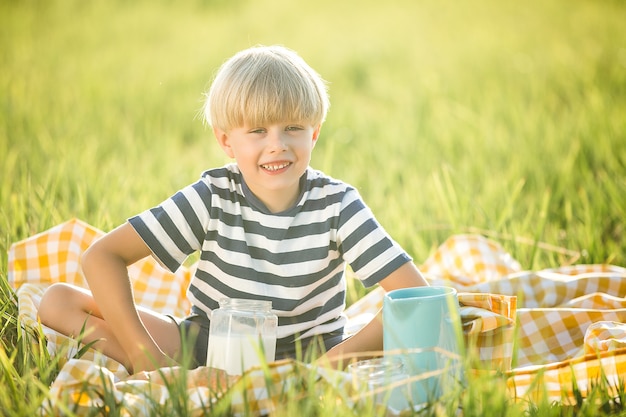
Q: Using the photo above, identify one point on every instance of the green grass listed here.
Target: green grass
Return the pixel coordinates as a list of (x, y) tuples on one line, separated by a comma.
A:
[(448, 116)]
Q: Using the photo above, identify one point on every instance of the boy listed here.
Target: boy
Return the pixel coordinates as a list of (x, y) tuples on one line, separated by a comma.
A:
[(267, 227)]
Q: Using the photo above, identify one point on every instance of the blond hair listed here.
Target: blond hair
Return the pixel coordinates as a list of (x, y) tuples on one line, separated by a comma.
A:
[(265, 84)]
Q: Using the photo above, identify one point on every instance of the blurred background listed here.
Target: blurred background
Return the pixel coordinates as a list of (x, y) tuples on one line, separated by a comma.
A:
[(507, 118)]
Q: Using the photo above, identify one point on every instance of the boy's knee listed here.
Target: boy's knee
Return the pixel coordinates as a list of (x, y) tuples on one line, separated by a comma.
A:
[(55, 299)]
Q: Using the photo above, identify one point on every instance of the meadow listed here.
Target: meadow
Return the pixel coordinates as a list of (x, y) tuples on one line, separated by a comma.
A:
[(498, 117)]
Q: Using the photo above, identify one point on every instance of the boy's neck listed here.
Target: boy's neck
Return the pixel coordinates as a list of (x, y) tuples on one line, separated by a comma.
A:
[(277, 204), (274, 202)]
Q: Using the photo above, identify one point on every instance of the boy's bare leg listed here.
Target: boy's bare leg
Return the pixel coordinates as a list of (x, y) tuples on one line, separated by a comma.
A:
[(67, 309)]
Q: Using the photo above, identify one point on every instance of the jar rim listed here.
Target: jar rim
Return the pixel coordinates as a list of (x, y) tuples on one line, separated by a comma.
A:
[(245, 303), (377, 367)]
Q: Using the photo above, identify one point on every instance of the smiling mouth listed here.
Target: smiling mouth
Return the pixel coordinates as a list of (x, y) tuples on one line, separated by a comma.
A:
[(275, 167)]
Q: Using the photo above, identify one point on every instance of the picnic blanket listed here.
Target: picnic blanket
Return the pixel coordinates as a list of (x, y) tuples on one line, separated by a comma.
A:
[(543, 328)]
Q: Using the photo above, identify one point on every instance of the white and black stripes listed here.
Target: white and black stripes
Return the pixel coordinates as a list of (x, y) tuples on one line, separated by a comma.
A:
[(296, 259)]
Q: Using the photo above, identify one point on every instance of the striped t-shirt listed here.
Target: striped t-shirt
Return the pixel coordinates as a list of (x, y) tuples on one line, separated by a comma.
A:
[(295, 259)]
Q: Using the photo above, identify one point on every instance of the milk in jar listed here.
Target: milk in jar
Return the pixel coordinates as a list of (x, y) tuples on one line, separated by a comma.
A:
[(242, 334)]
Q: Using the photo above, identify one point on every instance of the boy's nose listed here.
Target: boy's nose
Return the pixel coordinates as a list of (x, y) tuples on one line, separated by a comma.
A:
[(277, 142)]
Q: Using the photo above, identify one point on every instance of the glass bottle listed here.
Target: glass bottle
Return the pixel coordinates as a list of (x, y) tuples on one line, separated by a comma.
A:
[(383, 381), (242, 334)]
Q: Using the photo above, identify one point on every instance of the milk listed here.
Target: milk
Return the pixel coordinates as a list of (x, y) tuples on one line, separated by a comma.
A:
[(237, 353)]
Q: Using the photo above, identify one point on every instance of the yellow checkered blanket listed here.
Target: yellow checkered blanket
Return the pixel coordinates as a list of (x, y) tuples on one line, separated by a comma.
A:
[(569, 323)]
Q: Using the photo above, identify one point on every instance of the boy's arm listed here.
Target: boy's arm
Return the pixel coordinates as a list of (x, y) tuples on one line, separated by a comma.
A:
[(370, 337), (105, 268)]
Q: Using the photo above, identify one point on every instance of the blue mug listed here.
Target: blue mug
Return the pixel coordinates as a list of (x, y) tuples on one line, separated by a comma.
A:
[(423, 326)]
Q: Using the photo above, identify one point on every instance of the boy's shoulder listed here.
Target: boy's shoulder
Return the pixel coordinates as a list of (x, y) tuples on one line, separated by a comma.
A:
[(320, 180), (228, 172)]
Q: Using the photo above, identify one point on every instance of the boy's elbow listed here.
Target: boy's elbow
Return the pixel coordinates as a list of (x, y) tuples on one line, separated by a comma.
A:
[(96, 257), (86, 260)]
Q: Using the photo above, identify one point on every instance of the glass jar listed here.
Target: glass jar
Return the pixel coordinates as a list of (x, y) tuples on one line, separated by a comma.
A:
[(383, 381), (242, 334)]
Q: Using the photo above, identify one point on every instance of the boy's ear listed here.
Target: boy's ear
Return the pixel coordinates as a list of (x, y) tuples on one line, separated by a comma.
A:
[(316, 134), (223, 141)]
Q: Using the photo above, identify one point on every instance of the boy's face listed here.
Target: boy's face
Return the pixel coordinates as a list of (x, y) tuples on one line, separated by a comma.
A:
[(272, 158)]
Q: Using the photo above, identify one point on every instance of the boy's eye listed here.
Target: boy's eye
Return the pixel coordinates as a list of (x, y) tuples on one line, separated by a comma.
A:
[(288, 128)]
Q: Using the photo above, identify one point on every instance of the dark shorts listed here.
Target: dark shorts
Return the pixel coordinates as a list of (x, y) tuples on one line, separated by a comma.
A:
[(194, 332)]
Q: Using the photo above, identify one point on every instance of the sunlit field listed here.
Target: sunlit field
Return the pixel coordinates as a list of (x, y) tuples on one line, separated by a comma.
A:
[(501, 118)]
